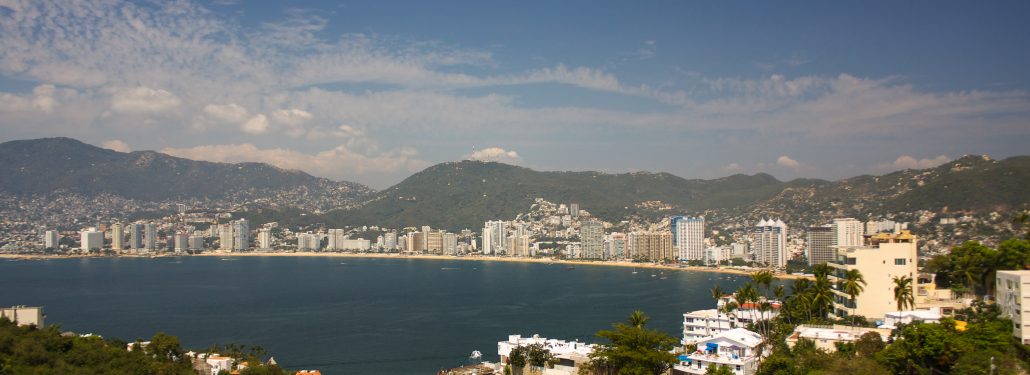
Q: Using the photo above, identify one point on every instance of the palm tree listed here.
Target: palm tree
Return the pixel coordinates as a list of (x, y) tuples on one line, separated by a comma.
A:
[(903, 292), (717, 294), (853, 284), (821, 296), (745, 295), (638, 319), (763, 278), (730, 308)]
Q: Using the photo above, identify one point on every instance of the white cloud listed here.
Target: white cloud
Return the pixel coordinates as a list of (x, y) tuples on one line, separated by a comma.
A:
[(116, 145), (732, 167), (338, 162), (291, 117), (142, 99), (227, 113), (256, 125), (495, 154), (648, 50), (908, 162), (786, 161)]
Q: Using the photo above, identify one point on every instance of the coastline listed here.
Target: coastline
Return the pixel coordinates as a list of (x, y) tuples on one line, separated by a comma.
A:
[(566, 262)]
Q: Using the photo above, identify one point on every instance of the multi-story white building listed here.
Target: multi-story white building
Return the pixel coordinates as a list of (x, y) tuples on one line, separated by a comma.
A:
[(736, 349), (196, 242), (51, 239), (688, 236), (494, 236), (182, 242), (591, 234), (309, 241), (1013, 293), (117, 237), (92, 239), (265, 238), (241, 235), (150, 236), (136, 236), (848, 232), (769, 243), (390, 240), (570, 354), (886, 257), (450, 243), (225, 237), (701, 324)]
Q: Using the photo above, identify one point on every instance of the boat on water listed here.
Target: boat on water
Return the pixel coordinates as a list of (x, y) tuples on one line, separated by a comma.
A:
[(570, 268)]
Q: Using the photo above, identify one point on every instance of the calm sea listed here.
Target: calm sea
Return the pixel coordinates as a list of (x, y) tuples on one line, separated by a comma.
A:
[(350, 316)]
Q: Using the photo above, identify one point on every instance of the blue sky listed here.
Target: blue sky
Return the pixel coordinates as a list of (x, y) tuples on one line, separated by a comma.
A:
[(374, 91)]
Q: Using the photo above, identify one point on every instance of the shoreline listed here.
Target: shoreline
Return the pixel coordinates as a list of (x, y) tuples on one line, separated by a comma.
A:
[(568, 262)]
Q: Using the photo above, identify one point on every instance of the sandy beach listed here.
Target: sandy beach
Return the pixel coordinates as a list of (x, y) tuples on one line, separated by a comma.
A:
[(566, 262)]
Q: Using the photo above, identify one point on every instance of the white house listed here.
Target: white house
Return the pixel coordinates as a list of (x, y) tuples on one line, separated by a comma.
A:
[(700, 324), (735, 349), (827, 337), (570, 354), (892, 319)]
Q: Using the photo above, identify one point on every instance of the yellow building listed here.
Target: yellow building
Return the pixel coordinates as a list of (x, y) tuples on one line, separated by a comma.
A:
[(883, 257)]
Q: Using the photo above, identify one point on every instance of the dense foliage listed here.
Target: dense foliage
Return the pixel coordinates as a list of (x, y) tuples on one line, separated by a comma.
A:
[(631, 348), (972, 266), (27, 350)]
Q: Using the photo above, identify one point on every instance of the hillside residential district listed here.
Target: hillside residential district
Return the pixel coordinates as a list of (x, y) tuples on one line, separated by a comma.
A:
[(881, 250)]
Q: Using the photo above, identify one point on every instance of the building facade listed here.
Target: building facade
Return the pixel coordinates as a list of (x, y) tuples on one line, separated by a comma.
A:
[(885, 257), (688, 236), (591, 234), (1013, 293), (769, 243), (819, 245)]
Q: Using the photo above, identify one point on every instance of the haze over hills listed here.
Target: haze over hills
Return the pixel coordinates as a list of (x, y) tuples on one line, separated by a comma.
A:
[(64, 165), (463, 194)]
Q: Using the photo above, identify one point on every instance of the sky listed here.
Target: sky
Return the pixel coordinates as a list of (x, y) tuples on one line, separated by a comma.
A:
[(375, 91)]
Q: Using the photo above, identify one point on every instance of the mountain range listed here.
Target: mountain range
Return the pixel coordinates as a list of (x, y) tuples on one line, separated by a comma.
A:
[(464, 194), (64, 165)]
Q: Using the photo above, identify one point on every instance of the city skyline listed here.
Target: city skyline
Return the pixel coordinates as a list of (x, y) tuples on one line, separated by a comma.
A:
[(372, 93)]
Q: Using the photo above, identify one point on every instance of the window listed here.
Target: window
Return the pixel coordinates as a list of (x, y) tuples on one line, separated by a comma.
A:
[(851, 261), (899, 261)]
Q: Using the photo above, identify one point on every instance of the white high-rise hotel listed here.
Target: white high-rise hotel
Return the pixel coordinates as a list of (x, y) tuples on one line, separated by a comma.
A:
[(770, 243), (494, 235), (688, 236)]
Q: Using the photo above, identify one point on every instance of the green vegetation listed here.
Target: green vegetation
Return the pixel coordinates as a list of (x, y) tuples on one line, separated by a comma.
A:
[(29, 350), (536, 356), (631, 348), (972, 266)]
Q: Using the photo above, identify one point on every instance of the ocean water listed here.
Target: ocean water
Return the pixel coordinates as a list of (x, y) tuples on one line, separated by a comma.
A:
[(347, 315)]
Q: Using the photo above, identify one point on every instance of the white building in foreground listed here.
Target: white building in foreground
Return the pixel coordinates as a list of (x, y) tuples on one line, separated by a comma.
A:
[(827, 337), (735, 349), (892, 319), (570, 354), (701, 324), (1013, 293)]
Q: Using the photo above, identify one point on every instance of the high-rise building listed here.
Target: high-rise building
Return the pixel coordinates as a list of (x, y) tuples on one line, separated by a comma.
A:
[(309, 241), (434, 242), (136, 236), (196, 242), (884, 258), (848, 232), (574, 209), (494, 236), (92, 240), (51, 239), (117, 237), (265, 238), (241, 235), (334, 240), (418, 242), (518, 245), (450, 243), (225, 237), (390, 240), (591, 235), (617, 246), (150, 236), (769, 243), (182, 242), (819, 246), (688, 235), (651, 246)]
